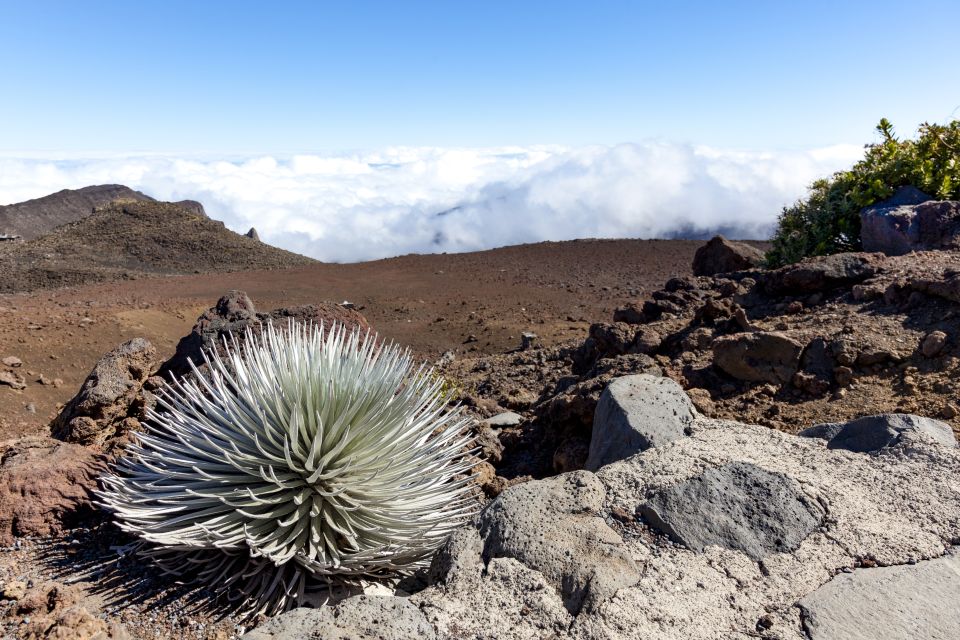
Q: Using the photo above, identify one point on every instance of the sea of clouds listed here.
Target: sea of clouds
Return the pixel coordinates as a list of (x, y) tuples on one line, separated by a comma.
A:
[(362, 206)]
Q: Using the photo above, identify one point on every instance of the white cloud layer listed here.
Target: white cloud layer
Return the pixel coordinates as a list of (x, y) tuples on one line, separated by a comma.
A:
[(364, 206)]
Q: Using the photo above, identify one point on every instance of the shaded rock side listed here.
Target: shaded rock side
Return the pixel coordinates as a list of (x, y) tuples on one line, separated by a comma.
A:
[(550, 526), (720, 255), (108, 395), (822, 273), (356, 618), (737, 506), (904, 602), (758, 357), (634, 414), (910, 221), (872, 433), (45, 487)]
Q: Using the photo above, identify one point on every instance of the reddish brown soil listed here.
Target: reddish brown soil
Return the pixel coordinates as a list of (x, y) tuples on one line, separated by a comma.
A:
[(432, 303)]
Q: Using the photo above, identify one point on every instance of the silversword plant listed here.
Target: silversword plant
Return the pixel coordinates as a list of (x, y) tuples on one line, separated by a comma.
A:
[(303, 457)]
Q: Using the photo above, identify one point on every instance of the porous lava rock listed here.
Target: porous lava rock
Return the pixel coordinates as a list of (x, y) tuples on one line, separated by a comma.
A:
[(108, 396), (737, 506), (720, 255), (45, 487), (552, 526)]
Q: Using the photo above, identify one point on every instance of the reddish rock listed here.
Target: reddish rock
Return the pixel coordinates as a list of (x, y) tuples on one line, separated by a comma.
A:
[(822, 273), (720, 255), (45, 487), (933, 343), (758, 357), (234, 312)]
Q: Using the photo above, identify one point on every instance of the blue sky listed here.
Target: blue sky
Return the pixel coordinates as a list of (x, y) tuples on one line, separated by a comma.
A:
[(284, 77)]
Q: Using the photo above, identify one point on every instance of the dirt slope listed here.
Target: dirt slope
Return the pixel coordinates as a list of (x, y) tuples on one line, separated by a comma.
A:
[(432, 303)]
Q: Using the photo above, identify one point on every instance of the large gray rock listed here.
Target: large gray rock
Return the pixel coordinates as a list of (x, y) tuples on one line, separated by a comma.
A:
[(737, 506), (758, 357), (720, 255), (356, 618), (905, 602), (910, 221), (635, 413), (872, 433), (896, 508), (552, 526)]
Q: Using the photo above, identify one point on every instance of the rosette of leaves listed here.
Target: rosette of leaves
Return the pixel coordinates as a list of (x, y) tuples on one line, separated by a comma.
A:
[(300, 459)]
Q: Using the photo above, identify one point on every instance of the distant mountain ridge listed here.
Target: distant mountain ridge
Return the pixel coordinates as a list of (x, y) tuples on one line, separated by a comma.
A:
[(130, 237), (34, 218)]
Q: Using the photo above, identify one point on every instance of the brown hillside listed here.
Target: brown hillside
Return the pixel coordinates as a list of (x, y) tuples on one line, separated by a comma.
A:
[(34, 218), (131, 238)]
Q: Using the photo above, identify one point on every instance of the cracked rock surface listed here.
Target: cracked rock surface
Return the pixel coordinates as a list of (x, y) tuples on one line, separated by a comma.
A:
[(513, 573)]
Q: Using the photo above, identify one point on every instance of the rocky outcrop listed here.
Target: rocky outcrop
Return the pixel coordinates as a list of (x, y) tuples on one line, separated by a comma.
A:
[(764, 520), (720, 255), (45, 487), (381, 617), (634, 414), (235, 312), (873, 433), (823, 273), (551, 526), (758, 357), (111, 401), (910, 221)]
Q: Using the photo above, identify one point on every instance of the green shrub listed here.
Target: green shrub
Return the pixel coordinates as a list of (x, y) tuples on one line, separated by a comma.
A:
[(828, 220)]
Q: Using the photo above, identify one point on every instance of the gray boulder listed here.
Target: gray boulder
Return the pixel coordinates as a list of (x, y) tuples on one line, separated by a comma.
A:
[(903, 602), (737, 506), (872, 433), (634, 414), (551, 526), (758, 357), (910, 221), (720, 255), (356, 618)]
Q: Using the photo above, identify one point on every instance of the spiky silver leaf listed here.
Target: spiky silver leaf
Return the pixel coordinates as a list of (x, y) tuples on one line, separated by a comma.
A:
[(303, 455)]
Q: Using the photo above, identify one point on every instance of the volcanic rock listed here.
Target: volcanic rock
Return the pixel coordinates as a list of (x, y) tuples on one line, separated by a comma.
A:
[(13, 380), (45, 487), (933, 343), (895, 603), (550, 526), (822, 273), (738, 506), (381, 617), (872, 433), (635, 413), (720, 255), (910, 221), (758, 357), (235, 312), (107, 397)]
